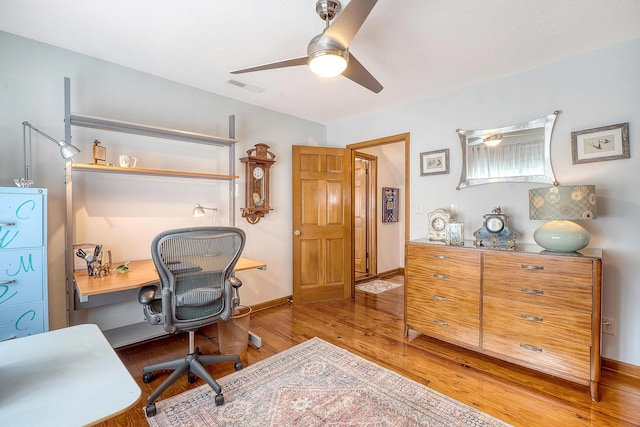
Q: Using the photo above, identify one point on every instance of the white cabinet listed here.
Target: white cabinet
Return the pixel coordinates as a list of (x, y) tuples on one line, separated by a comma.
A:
[(23, 262)]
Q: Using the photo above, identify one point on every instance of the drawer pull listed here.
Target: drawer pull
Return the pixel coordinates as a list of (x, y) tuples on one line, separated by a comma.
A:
[(440, 276), (7, 282), (532, 318), (440, 322), (532, 267), (531, 347), (532, 291), (441, 257), (439, 298)]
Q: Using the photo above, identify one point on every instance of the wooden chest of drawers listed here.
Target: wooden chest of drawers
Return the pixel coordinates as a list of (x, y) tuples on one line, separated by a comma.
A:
[(534, 309)]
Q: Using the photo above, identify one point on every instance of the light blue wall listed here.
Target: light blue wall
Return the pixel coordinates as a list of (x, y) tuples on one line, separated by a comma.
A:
[(591, 90), (32, 88)]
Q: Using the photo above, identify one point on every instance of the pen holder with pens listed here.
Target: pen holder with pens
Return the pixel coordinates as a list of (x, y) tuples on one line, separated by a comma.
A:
[(96, 268)]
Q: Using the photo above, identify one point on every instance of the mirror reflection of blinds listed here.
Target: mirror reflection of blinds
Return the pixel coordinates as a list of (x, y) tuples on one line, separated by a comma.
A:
[(521, 155)]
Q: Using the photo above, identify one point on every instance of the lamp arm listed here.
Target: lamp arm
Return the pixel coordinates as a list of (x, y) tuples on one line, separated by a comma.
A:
[(41, 133), (26, 145), (67, 150)]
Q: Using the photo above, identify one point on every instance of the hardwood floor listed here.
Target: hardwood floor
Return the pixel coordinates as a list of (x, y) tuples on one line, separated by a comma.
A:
[(372, 327)]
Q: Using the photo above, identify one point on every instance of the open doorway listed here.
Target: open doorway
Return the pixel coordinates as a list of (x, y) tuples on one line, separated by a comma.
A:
[(379, 164)]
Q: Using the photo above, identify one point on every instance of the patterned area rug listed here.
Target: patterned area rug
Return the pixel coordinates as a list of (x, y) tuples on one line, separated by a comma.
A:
[(377, 286), (317, 384)]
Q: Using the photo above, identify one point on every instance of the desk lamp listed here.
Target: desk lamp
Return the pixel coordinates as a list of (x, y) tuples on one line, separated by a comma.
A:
[(66, 151), (560, 205), (199, 211)]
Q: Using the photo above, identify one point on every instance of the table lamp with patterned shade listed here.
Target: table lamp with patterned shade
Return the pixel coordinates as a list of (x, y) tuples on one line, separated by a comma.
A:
[(559, 205)]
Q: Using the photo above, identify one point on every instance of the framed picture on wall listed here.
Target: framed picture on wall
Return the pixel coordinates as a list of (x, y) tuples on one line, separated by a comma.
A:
[(390, 204), (434, 162), (599, 144)]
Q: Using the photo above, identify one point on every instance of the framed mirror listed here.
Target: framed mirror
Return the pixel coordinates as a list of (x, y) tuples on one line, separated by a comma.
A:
[(517, 153)]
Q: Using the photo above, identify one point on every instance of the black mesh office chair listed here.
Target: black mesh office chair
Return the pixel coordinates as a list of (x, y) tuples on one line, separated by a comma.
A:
[(196, 289)]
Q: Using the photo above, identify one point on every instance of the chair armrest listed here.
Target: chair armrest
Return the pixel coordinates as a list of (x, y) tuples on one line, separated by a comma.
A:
[(235, 282), (147, 294), (235, 294)]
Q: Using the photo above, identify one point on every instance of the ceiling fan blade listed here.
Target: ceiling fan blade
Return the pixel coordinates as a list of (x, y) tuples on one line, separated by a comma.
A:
[(280, 64), (356, 72), (347, 24)]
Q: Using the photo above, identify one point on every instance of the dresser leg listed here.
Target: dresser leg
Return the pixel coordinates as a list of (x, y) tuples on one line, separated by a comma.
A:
[(595, 391)]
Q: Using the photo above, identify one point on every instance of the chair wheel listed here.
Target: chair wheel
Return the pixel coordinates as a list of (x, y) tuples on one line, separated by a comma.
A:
[(147, 377), (191, 377), (150, 410), (238, 366), (219, 399)]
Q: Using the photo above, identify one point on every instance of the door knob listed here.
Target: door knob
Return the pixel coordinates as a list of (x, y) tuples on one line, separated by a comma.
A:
[(296, 232)]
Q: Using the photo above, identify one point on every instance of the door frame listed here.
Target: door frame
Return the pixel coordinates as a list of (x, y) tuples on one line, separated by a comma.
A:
[(402, 137)]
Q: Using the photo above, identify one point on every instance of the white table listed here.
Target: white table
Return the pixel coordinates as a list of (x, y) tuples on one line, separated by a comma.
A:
[(67, 377)]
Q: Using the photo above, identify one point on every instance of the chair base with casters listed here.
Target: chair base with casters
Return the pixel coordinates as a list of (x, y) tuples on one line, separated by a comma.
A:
[(196, 289), (193, 364)]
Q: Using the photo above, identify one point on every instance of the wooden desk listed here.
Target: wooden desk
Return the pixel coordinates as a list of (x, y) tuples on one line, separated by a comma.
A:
[(66, 377), (140, 273)]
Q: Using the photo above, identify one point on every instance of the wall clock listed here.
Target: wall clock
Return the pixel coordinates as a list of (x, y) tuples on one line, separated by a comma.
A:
[(495, 232), (438, 223), (257, 164)]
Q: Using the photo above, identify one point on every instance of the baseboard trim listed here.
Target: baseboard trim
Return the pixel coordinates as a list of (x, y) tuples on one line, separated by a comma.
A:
[(273, 303), (390, 273), (395, 272), (621, 367)]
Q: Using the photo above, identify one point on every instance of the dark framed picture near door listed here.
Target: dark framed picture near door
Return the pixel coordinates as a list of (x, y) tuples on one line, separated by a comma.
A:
[(390, 201)]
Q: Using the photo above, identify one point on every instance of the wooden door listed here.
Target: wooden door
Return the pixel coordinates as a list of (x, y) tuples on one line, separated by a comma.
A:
[(322, 215), (360, 212)]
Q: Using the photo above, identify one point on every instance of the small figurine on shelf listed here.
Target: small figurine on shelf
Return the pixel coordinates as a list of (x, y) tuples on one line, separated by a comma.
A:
[(101, 270), (121, 269), (98, 268)]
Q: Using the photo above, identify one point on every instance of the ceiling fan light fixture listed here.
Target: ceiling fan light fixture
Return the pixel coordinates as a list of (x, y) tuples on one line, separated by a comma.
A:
[(328, 63), (493, 140)]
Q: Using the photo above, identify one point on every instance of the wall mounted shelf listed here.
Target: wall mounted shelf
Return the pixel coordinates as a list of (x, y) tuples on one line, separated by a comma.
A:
[(143, 171)]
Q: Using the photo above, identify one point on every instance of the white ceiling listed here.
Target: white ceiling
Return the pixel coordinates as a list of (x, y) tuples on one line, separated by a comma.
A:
[(415, 48)]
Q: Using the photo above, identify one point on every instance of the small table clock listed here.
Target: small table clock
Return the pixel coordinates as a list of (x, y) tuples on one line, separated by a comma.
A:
[(99, 152), (495, 232), (258, 164), (438, 222)]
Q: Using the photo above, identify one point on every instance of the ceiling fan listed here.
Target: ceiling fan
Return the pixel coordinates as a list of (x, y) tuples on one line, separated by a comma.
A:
[(328, 53)]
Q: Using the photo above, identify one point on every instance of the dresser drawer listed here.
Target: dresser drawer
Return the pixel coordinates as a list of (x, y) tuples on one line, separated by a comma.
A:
[(445, 298), (431, 263), (562, 282), (536, 320), (21, 276), (444, 325), (562, 356), (22, 320)]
